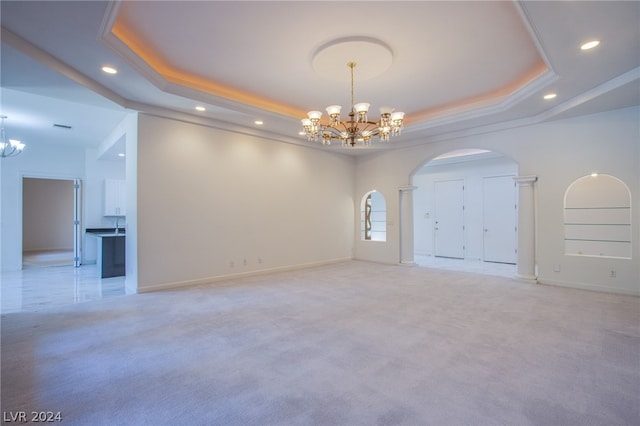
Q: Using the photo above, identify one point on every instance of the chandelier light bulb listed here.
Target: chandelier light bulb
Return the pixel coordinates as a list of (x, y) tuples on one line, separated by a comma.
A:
[(334, 109), (17, 144), (314, 115), (397, 116), (362, 107)]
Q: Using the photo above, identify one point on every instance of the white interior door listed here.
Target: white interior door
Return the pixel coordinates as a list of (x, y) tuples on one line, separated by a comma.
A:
[(449, 219), (499, 219)]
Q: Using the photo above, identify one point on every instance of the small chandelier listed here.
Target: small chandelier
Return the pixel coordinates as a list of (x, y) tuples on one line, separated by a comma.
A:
[(357, 128), (11, 147)]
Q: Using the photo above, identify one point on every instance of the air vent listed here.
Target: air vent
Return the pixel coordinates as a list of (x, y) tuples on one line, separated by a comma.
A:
[(62, 126)]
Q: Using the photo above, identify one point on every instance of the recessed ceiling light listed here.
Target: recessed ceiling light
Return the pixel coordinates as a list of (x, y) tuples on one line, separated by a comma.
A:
[(549, 96), (109, 70), (590, 44), (258, 122), (121, 154), (200, 108)]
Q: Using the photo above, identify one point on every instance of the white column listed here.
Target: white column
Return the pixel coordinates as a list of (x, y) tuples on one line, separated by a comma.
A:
[(406, 225), (526, 229)]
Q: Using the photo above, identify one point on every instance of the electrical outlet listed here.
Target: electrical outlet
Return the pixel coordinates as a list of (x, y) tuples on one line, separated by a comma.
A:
[(612, 274), (232, 264), (244, 262)]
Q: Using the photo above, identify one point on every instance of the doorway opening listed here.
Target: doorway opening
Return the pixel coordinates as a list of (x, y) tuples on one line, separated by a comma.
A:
[(50, 222), (465, 212)]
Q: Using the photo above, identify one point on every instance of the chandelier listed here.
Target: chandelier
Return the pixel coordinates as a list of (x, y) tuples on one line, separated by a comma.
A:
[(357, 128), (11, 147)]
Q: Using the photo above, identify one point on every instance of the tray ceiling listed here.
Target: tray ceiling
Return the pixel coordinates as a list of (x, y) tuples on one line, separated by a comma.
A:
[(453, 66)]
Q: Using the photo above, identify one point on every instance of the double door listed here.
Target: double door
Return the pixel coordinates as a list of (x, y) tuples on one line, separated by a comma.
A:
[(499, 220)]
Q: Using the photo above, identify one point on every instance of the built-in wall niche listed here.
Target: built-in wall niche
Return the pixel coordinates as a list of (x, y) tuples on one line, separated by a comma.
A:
[(597, 217), (373, 217)]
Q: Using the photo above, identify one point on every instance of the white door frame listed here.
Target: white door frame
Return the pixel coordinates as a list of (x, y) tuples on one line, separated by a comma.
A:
[(77, 240)]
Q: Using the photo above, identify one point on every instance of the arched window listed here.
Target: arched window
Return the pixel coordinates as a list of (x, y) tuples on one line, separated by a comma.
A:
[(597, 217), (373, 217)]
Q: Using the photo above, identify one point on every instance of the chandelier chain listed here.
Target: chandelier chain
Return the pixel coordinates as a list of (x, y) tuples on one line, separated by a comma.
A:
[(352, 65)]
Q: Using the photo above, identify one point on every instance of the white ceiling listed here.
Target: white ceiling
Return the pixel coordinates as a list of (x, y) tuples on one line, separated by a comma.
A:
[(456, 67)]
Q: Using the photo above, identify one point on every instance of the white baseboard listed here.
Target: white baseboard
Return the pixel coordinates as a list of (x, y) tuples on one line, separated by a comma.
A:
[(210, 280), (591, 287), (531, 279)]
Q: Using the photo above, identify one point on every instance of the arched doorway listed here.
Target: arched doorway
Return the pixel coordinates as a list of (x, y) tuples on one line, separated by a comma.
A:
[(465, 212)]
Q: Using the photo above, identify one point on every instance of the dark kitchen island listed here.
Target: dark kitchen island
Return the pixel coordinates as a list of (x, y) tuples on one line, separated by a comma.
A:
[(111, 251)]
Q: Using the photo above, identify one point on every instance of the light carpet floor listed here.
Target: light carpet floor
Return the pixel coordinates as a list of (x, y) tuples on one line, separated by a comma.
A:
[(353, 343)]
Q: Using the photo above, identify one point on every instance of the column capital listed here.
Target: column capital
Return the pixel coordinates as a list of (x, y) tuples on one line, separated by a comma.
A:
[(408, 188), (525, 180)]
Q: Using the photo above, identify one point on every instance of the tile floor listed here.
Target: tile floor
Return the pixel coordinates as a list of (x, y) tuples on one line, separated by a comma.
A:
[(36, 288), (33, 289), (475, 266)]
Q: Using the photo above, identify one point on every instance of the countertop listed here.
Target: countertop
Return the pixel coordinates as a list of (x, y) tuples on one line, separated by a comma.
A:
[(106, 232)]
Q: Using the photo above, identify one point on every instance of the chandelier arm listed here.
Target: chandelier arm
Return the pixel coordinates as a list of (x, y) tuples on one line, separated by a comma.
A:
[(371, 123), (334, 132), (13, 151)]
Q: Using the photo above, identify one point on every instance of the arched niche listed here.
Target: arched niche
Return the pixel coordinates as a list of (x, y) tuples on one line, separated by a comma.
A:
[(597, 217), (373, 217)]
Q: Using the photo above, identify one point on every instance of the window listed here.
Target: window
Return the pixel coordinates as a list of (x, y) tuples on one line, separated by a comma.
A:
[(597, 217), (373, 217)]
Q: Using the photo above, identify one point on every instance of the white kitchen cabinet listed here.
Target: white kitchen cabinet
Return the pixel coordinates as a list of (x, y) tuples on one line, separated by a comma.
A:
[(115, 195)]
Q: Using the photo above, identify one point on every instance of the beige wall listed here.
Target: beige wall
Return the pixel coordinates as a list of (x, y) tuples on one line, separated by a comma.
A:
[(214, 203), (558, 153), (47, 221)]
